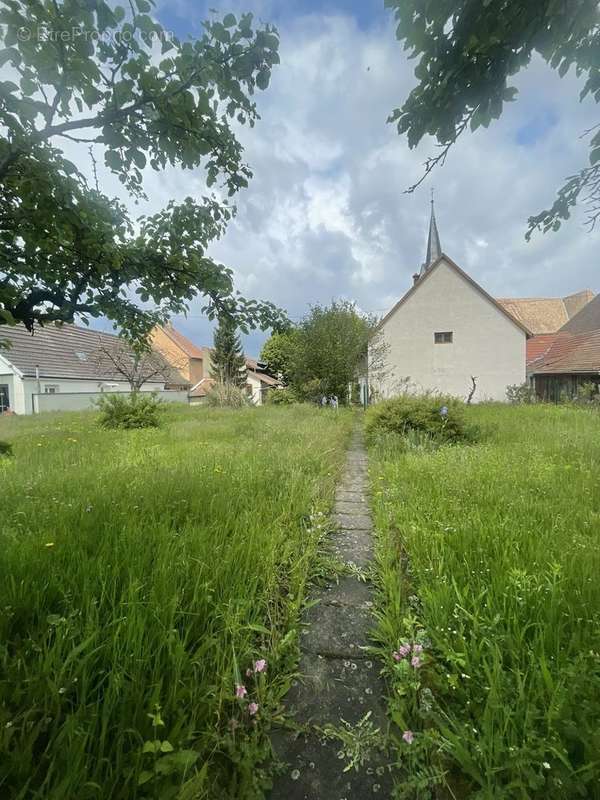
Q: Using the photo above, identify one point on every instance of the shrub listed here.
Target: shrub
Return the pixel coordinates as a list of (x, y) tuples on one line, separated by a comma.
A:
[(587, 392), (520, 394), (227, 395), (281, 397), (5, 449), (138, 410), (441, 419)]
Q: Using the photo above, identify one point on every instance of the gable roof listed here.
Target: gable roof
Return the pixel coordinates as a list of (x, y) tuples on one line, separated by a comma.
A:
[(65, 351), (586, 320), (189, 348), (571, 353), (538, 346), (421, 280), (202, 388), (546, 314)]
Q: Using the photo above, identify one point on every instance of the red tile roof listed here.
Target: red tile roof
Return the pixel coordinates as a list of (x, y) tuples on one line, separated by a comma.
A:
[(538, 346), (570, 354)]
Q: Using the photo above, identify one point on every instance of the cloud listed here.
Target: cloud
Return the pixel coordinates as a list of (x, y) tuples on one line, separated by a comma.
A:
[(326, 214)]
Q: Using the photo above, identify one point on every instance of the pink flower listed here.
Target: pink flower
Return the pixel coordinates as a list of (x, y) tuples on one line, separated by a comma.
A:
[(260, 665), (240, 691), (401, 652), (408, 737), (415, 662), (252, 709), (417, 648)]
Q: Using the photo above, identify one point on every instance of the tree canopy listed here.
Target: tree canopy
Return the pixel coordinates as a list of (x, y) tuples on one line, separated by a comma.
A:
[(467, 54), (327, 351), (112, 78), (278, 353)]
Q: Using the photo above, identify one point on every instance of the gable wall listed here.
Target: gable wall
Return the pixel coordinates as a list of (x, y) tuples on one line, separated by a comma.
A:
[(173, 354), (486, 343)]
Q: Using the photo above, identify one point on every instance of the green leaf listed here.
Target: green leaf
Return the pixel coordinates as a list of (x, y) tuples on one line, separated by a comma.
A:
[(10, 54), (595, 156), (28, 87), (166, 747), (144, 777), (230, 21), (263, 78)]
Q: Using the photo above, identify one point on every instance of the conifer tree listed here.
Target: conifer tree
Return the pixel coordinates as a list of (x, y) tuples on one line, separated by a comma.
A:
[(228, 361)]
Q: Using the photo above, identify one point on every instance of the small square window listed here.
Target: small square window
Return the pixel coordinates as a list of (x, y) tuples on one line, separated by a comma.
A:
[(443, 337), (51, 388)]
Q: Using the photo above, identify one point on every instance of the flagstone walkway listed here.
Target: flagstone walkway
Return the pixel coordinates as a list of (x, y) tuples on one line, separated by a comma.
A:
[(340, 691)]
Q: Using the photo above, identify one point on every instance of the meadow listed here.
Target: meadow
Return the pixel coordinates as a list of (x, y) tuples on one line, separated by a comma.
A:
[(488, 560), (151, 587)]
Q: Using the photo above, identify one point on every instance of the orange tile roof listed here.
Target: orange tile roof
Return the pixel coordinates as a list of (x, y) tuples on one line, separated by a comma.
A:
[(546, 314), (202, 388)]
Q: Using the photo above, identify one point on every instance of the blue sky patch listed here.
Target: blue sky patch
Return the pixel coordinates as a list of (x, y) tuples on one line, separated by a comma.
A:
[(537, 127)]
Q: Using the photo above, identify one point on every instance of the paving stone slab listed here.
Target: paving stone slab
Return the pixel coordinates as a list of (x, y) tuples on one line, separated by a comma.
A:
[(351, 507), (315, 771), (353, 522), (353, 547), (354, 485), (349, 496), (347, 591), (330, 690), (337, 630)]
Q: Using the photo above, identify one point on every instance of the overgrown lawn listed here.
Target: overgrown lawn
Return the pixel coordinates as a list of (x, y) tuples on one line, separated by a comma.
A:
[(489, 558), (143, 573)]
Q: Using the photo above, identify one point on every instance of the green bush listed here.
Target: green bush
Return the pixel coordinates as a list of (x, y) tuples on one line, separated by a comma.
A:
[(138, 410), (227, 395), (441, 419), (5, 449), (281, 397), (520, 394)]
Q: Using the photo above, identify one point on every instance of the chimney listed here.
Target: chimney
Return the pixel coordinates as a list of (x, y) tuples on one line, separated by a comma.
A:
[(416, 277)]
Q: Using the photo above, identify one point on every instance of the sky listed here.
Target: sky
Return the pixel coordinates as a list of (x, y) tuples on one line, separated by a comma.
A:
[(326, 215)]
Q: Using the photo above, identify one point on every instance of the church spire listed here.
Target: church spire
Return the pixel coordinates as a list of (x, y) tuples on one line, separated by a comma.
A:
[(434, 248)]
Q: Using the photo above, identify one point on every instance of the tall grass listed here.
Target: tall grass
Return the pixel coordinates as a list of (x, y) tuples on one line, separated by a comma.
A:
[(142, 573), (490, 556)]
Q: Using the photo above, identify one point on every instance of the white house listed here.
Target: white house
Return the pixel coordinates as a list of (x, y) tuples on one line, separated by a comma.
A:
[(58, 360), (447, 330)]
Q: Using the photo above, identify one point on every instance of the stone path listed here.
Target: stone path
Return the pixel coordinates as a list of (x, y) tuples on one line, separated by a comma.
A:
[(340, 691)]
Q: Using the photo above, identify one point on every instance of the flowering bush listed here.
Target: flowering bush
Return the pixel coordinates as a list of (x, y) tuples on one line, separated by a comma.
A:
[(441, 419)]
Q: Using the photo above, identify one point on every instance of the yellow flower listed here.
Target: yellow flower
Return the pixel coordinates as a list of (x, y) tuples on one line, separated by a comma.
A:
[(49, 544)]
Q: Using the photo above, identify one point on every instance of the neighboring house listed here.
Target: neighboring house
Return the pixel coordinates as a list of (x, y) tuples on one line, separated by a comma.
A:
[(259, 382), (570, 358), (546, 315), (59, 360), (191, 361), (194, 363), (447, 330)]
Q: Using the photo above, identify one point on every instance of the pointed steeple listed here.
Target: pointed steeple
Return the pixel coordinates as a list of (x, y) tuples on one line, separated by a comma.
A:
[(434, 248)]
